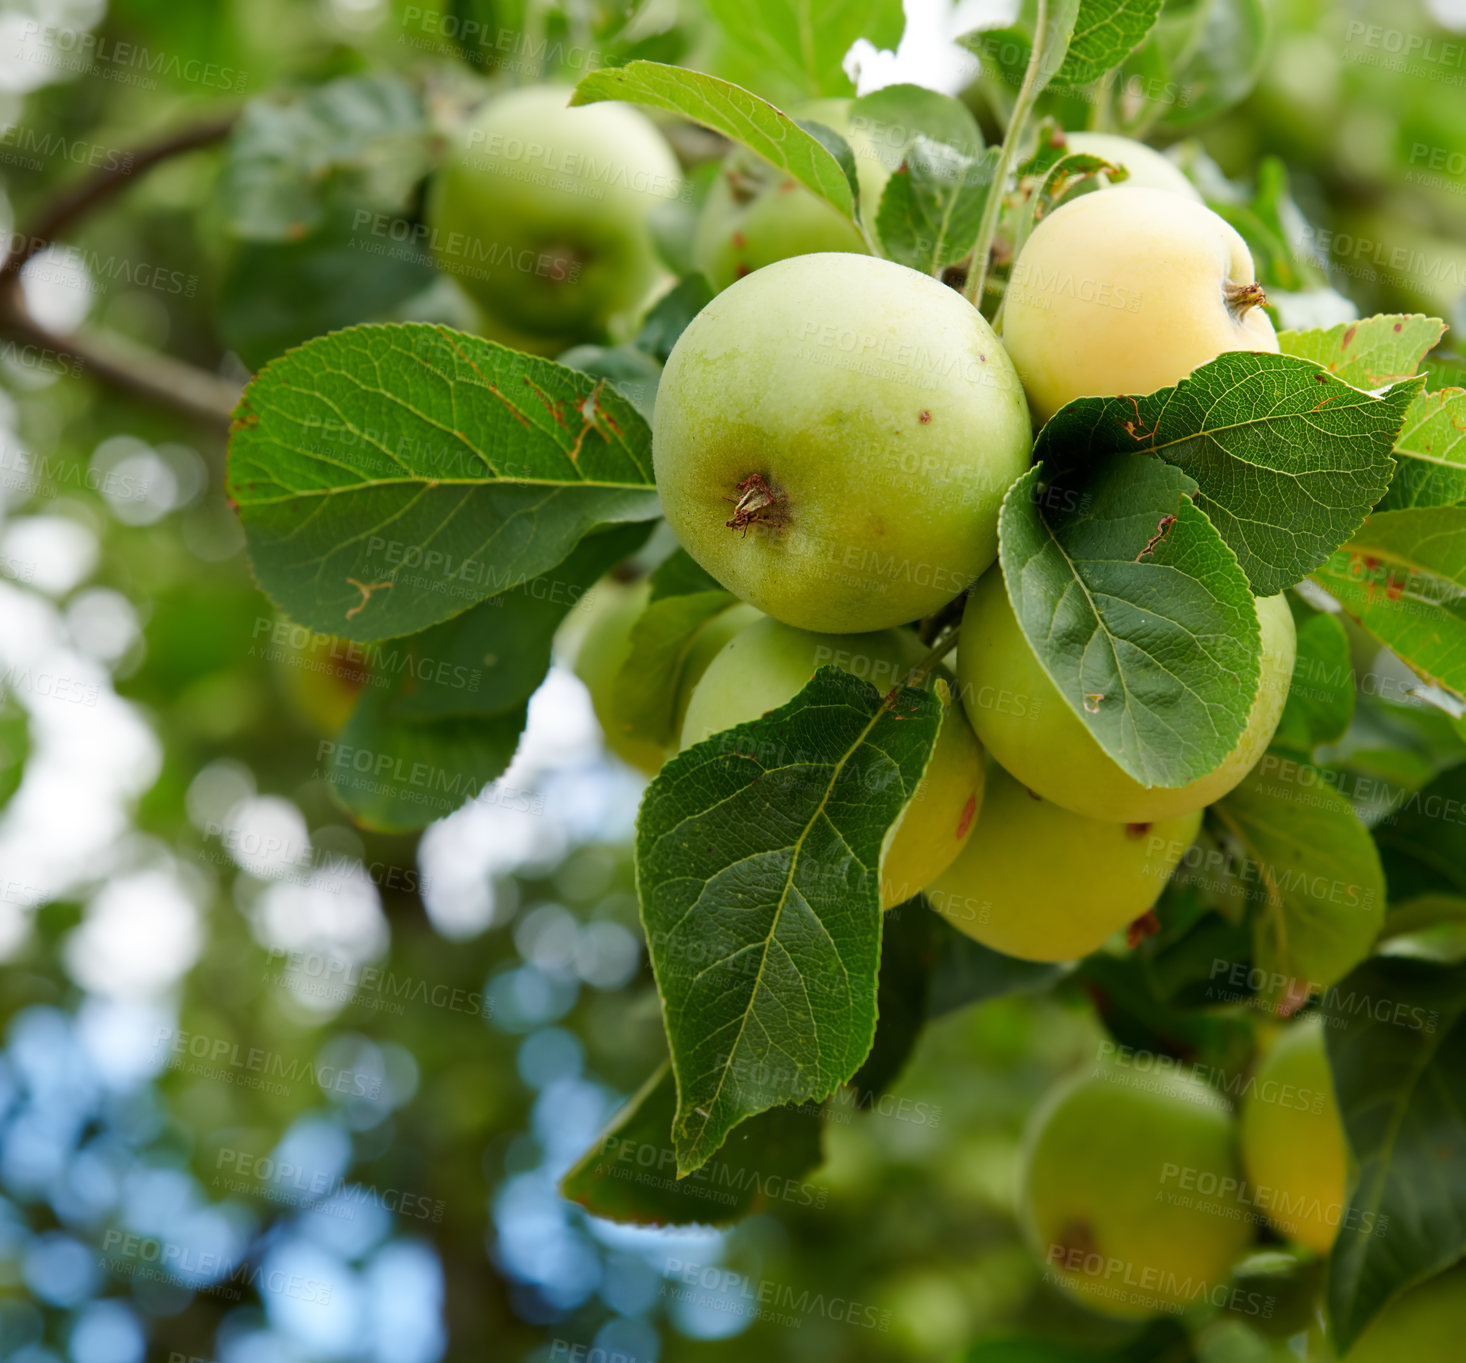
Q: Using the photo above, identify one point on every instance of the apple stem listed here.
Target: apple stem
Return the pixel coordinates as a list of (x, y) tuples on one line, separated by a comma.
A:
[(944, 645), (1241, 297)]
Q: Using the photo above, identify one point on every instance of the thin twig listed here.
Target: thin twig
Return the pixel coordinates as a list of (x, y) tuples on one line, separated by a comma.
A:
[(114, 359), (988, 227)]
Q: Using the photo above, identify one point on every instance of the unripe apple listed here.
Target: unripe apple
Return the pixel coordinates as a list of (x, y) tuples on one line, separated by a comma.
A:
[(1024, 722), (1148, 168), (540, 213), (832, 440), (603, 618), (769, 663), (1425, 1325), (1293, 1137), (1038, 882), (706, 644), (1128, 293), (755, 214), (1129, 1192)]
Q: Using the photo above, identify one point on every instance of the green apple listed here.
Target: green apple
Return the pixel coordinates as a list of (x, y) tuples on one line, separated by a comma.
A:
[(755, 214), (767, 664), (1038, 882), (1425, 1325), (1023, 720), (1128, 293), (1129, 1192), (706, 644), (603, 619), (540, 213), (1148, 168), (833, 438), (1293, 1138)]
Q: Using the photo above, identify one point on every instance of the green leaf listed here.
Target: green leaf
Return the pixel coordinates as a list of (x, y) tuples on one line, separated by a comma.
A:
[(1136, 610), (397, 776), (731, 110), (966, 972), (1313, 873), (1430, 453), (645, 693), (805, 41), (1422, 841), (1320, 701), (630, 1174), (276, 294), (1371, 353), (757, 857), (909, 948), (390, 477), (891, 118), (360, 140), (668, 319), (1219, 64), (1287, 459), (932, 205), (493, 657), (1397, 1049), (1105, 33), (1403, 577)]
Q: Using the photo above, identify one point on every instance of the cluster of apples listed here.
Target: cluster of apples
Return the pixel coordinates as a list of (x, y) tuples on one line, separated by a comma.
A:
[(833, 437)]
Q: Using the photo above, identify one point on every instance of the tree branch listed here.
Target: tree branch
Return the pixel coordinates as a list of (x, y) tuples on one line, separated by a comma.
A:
[(132, 368)]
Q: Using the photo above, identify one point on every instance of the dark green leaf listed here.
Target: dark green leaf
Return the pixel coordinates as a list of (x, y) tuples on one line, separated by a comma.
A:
[(1320, 700), (358, 141), (1136, 610), (933, 204), (669, 318), (390, 477), (630, 1173), (757, 869), (1287, 459), (1314, 876), (1397, 1048), (277, 294), (1422, 841)]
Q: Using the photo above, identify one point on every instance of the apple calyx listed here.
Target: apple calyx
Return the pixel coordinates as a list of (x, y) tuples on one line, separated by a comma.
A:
[(758, 502), (1243, 297)]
